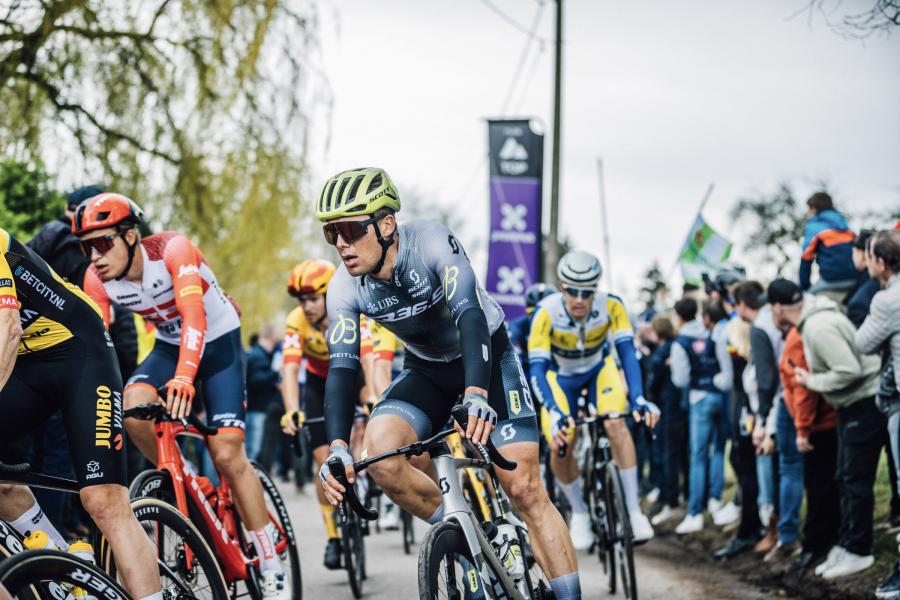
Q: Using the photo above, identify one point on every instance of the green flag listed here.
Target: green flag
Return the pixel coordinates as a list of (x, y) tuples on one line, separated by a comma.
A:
[(705, 251)]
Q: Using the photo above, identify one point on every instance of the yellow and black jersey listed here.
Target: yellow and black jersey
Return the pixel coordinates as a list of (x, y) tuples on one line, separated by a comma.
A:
[(51, 309), (577, 347)]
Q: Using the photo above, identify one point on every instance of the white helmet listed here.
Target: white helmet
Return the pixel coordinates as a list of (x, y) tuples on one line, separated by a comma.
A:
[(579, 269)]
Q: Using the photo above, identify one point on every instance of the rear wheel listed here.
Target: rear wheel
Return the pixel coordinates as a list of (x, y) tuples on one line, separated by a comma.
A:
[(285, 540), (57, 573)]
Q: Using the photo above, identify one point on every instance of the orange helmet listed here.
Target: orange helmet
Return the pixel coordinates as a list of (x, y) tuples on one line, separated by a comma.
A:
[(310, 277), (105, 210)]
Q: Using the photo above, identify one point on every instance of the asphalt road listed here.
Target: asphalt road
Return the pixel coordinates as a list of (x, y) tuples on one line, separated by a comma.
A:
[(662, 574)]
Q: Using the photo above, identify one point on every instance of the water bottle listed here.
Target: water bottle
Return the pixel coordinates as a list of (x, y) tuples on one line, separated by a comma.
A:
[(38, 540), (507, 544)]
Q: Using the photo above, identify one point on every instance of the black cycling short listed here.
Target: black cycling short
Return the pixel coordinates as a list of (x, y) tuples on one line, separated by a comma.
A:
[(426, 390), (313, 405), (80, 377)]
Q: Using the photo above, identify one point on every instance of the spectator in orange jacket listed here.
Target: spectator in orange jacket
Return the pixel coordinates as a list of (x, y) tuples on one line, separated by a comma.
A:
[(816, 424)]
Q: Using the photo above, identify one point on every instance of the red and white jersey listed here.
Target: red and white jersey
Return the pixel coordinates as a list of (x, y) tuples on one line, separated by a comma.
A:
[(178, 293)]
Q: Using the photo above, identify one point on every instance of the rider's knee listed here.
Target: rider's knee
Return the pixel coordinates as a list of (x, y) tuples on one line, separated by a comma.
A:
[(388, 472), (105, 503), (617, 429), (229, 457), (8, 490), (526, 492)]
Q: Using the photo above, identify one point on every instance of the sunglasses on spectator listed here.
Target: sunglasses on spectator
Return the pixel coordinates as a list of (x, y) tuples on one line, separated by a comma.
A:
[(349, 230), (102, 244), (579, 292)]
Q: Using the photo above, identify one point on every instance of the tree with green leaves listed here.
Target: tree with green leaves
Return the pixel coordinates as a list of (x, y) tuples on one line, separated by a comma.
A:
[(775, 226), (26, 199), (201, 111)]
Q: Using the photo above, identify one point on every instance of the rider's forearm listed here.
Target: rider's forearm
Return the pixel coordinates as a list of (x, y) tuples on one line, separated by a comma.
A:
[(475, 345), (290, 387), (632, 368), (340, 403), (10, 333), (537, 369)]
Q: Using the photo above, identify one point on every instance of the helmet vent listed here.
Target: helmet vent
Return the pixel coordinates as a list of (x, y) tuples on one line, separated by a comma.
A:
[(328, 194), (102, 216), (354, 188), (374, 184), (340, 192)]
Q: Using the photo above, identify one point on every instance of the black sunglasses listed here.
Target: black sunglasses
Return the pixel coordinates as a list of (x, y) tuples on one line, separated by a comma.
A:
[(579, 293), (102, 244), (349, 230)]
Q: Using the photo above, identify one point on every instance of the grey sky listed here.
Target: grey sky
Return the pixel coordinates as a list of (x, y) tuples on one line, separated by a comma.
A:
[(672, 95)]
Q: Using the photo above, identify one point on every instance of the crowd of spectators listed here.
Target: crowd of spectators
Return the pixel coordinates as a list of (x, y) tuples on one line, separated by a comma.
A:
[(797, 380)]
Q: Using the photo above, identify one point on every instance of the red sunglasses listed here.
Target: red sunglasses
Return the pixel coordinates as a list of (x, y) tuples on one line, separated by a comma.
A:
[(102, 244), (349, 230)]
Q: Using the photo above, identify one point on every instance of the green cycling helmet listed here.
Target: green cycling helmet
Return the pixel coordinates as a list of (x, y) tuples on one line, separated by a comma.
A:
[(357, 192)]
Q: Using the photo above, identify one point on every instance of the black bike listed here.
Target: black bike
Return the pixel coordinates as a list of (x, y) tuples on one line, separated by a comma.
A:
[(605, 498)]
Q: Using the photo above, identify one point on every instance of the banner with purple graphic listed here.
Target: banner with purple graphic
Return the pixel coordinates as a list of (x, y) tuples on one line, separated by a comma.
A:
[(514, 254)]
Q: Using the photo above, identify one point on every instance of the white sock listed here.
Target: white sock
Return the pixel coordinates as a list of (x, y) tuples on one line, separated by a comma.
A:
[(34, 519), (264, 544), (630, 485), (573, 495), (157, 596)]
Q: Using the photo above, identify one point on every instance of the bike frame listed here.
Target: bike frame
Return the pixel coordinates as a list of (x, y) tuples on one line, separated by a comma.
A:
[(456, 509), (219, 519)]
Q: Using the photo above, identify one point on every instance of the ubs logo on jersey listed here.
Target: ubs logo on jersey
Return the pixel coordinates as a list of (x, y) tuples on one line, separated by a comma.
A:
[(382, 304)]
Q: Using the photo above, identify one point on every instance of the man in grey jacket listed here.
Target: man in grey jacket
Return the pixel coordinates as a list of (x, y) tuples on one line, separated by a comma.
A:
[(879, 335), (848, 380)]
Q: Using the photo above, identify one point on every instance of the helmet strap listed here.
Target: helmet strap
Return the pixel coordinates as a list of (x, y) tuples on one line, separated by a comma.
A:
[(131, 249), (385, 244)]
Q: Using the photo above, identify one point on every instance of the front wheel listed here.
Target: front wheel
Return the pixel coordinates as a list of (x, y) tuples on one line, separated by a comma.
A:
[(446, 567), (354, 551), (621, 531)]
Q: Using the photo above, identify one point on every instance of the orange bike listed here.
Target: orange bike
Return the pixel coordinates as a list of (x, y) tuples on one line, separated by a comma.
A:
[(211, 507)]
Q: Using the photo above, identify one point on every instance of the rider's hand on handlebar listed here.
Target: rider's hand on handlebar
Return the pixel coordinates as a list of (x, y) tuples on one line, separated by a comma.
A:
[(561, 429), (290, 422), (179, 395), (646, 411), (334, 491), (482, 418)]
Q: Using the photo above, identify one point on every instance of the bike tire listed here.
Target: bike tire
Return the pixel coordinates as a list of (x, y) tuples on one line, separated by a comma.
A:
[(353, 548), (612, 522), (20, 573), (152, 483), (623, 534), (443, 540), (10, 545), (406, 527), (279, 513), (154, 510)]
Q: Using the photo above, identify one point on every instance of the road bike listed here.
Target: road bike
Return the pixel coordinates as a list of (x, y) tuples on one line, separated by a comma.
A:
[(460, 556), (211, 507), (52, 574), (605, 498)]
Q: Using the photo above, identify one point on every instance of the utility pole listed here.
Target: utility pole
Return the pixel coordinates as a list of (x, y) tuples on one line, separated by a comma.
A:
[(607, 266), (553, 245)]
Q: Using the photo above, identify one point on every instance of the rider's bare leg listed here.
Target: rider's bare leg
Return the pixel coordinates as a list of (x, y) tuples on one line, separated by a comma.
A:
[(142, 433)]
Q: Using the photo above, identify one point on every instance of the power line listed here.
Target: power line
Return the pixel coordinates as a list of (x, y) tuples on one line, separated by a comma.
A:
[(524, 57), (511, 21)]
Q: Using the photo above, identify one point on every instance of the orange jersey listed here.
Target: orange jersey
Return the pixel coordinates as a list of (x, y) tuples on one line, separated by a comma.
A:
[(301, 340)]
